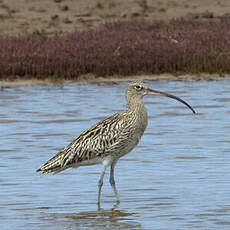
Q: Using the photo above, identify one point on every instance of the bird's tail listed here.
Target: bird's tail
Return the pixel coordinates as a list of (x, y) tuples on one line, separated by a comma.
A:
[(54, 165)]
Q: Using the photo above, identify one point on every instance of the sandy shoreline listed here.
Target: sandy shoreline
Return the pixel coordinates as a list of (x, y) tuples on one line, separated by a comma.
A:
[(64, 16), (90, 79)]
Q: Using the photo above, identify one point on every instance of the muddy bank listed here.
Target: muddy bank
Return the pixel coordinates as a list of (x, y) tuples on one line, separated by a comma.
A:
[(65, 16), (90, 79)]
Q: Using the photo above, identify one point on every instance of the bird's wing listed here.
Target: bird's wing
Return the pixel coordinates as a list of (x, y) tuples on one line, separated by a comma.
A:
[(97, 141)]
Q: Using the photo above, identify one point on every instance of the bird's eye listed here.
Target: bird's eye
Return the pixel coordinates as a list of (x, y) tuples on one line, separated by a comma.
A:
[(138, 87)]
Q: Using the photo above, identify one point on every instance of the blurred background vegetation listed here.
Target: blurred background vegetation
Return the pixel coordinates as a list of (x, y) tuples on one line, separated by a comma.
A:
[(66, 39)]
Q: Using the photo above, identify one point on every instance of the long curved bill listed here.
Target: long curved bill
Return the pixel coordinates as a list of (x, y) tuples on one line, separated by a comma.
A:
[(156, 92)]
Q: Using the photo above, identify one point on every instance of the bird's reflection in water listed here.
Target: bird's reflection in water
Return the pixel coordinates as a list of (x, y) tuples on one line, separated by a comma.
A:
[(100, 219)]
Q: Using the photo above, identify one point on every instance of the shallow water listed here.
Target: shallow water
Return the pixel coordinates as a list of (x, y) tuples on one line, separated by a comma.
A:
[(177, 177)]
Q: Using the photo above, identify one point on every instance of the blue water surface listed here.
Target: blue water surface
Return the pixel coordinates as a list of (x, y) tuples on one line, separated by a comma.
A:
[(176, 178)]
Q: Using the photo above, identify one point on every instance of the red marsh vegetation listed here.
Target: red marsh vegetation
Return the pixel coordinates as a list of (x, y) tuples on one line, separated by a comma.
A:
[(122, 48)]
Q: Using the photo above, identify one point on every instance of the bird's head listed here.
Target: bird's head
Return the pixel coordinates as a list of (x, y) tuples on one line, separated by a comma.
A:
[(137, 90)]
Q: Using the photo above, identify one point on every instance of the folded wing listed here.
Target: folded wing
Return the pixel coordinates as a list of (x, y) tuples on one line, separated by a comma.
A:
[(96, 142)]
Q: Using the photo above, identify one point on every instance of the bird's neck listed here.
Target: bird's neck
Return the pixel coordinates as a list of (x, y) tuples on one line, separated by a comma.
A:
[(136, 106), (138, 115)]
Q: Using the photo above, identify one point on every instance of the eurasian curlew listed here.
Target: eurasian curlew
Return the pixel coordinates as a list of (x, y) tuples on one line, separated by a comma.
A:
[(110, 139)]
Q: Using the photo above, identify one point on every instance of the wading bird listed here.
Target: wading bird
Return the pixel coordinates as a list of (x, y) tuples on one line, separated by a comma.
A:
[(108, 140)]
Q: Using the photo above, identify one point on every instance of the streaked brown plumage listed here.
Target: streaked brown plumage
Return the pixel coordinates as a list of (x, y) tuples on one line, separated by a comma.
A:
[(109, 139)]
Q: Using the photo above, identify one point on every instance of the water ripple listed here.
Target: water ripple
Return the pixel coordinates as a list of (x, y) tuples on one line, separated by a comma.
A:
[(177, 177)]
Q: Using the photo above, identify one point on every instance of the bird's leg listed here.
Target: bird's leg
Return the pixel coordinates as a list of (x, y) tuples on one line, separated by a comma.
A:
[(100, 183), (112, 181)]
